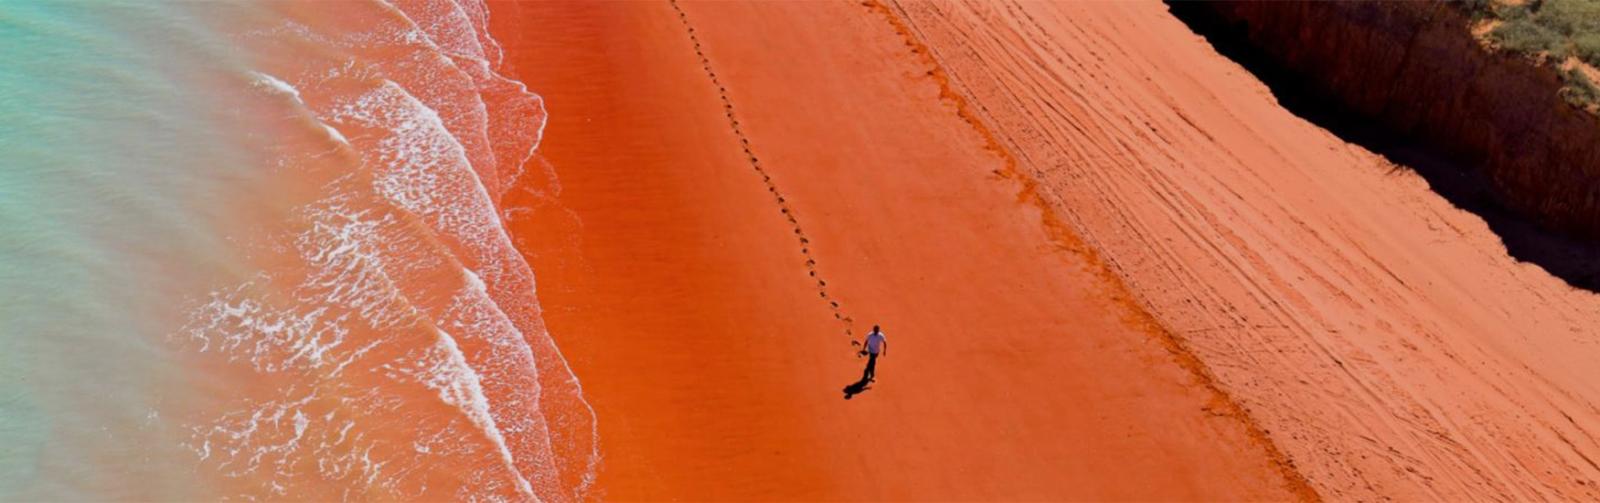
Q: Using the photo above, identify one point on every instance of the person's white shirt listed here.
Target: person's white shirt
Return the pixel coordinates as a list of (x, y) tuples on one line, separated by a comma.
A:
[(875, 342)]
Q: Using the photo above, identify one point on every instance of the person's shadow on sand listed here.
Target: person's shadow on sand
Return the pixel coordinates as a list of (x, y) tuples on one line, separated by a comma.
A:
[(864, 384), (857, 388), (867, 376)]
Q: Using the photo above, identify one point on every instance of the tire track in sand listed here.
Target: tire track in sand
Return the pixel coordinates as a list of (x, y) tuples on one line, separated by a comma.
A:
[(1061, 234), (766, 178)]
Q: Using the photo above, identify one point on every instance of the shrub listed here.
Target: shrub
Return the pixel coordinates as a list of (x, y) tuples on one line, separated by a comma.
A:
[(1528, 37), (1560, 28), (1569, 17), (1511, 12), (1587, 46), (1580, 91)]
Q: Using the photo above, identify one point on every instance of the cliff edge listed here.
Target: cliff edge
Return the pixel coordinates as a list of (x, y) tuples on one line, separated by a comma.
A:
[(1417, 69)]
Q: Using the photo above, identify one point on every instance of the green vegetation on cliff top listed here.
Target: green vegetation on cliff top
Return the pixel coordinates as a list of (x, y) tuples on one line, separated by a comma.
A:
[(1552, 31)]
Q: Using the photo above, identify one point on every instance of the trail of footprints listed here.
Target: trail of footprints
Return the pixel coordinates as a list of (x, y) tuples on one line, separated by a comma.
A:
[(755, 163)]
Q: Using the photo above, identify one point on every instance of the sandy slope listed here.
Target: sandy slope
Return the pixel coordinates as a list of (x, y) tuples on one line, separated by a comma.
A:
[(1383, 337), (701, 317)]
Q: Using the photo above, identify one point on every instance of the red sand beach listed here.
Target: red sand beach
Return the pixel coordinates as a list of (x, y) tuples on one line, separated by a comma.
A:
[(1109, 266), (712, 358)]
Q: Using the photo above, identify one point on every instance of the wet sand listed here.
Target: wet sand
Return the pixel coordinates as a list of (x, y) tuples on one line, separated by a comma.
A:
[(701, 320)]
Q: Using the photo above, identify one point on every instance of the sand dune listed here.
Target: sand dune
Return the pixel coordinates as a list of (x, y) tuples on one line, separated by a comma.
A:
[(1094, 244)]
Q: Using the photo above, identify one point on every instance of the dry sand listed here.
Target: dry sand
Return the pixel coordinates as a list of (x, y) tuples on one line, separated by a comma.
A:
[(712, 358), (940, 161), (1382, 336)]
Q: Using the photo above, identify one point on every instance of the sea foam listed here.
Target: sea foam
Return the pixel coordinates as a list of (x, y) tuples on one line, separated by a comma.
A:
[(390, 343)]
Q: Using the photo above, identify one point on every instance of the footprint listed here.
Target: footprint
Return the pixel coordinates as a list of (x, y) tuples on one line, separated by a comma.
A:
[(755, 163)]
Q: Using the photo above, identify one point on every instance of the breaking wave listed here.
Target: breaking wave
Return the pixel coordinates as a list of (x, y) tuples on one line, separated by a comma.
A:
[(384, 341)]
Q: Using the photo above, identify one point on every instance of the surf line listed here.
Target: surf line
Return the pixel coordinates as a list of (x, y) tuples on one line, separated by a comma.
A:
[(755, 163)]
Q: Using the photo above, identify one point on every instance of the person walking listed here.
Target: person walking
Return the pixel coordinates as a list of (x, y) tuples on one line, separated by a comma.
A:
[(876, 345)]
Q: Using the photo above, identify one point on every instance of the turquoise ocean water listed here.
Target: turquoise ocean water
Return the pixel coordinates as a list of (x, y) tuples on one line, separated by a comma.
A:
[(253, 251), (109, 154)]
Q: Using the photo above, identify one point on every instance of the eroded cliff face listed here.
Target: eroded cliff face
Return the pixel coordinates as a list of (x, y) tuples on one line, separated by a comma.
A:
[(1416, 69)]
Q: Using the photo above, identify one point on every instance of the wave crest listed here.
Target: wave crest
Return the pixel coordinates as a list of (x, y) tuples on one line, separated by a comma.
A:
[(387, 343)]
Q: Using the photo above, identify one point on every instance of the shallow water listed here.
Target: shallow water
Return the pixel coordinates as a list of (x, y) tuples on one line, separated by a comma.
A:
[(254, 250)]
